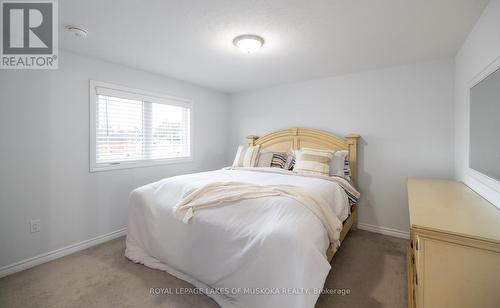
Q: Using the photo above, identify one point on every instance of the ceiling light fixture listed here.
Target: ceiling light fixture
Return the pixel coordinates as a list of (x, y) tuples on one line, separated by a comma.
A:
[(248, 43), (77, 31)]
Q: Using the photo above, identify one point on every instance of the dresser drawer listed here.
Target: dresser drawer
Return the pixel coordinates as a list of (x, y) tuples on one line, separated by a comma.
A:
[(454, 271), (454, 261), (411, 277)]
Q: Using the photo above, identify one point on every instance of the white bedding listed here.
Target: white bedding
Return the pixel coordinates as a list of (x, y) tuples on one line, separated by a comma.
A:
[(265, 252)]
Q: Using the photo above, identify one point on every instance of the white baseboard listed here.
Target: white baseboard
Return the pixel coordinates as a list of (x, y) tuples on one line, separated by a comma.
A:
[(58, 253), (384, 230), (61, 252)]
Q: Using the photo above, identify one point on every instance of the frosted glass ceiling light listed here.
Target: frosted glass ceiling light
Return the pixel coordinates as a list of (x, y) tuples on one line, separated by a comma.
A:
[(248, 43), (77, 31)]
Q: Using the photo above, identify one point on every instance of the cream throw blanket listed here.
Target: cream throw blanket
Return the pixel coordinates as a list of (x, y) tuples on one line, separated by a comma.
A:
[(216, 193)]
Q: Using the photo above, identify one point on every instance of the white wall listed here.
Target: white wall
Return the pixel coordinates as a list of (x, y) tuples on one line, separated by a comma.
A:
[(404, 115), (481, 48), (44, 153)]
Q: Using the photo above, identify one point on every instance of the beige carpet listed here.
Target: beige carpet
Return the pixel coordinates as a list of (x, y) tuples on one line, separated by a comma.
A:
[(370, 266)]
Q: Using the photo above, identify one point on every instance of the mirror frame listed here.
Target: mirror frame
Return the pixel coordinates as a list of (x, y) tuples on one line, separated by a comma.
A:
[(487, 187)]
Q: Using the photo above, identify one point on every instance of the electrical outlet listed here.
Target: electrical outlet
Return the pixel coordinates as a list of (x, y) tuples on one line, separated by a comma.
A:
[(35, 225)]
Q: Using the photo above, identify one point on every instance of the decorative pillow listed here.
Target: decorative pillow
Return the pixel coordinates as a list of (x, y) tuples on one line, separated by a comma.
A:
[(279, 160), (246, 157), (313, 161), (265, 159)]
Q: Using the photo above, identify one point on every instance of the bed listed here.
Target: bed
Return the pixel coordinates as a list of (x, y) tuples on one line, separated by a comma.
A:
[(265, 252)]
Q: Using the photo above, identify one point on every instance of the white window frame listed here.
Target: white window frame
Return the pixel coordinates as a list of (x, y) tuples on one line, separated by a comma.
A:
[(139, 95)]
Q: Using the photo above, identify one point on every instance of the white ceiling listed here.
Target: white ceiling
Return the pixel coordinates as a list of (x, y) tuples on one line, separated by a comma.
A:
[(192, 39)]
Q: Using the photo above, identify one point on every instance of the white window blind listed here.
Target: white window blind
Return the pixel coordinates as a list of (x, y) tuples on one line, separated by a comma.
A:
[(134, 128)]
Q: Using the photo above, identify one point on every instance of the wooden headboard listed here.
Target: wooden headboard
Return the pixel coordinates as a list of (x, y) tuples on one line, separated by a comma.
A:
[(296, 138)]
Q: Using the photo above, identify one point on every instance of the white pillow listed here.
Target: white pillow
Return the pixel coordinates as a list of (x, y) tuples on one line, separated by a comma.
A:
[(337, 163), (246, 157), (238, 159)]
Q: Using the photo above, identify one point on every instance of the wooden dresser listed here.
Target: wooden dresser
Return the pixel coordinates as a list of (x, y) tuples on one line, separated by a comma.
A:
[(454, 253)]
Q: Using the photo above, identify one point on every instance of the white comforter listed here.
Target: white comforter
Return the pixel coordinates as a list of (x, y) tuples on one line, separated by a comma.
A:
[(265, 252)]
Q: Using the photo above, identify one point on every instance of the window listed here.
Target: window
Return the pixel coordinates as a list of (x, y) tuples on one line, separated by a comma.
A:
[(133, 128)]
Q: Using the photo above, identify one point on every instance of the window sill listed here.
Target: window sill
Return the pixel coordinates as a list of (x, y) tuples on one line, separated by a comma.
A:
[(138, 164)]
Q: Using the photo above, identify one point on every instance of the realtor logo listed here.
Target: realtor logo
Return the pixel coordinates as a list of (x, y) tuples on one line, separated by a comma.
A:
[(29, 34)]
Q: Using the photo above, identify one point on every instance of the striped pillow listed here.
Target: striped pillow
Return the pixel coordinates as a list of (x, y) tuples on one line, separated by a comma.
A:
[(246, 157), (347, 169), (313, 161), (279, 160), (290, 162), (251, 155)]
